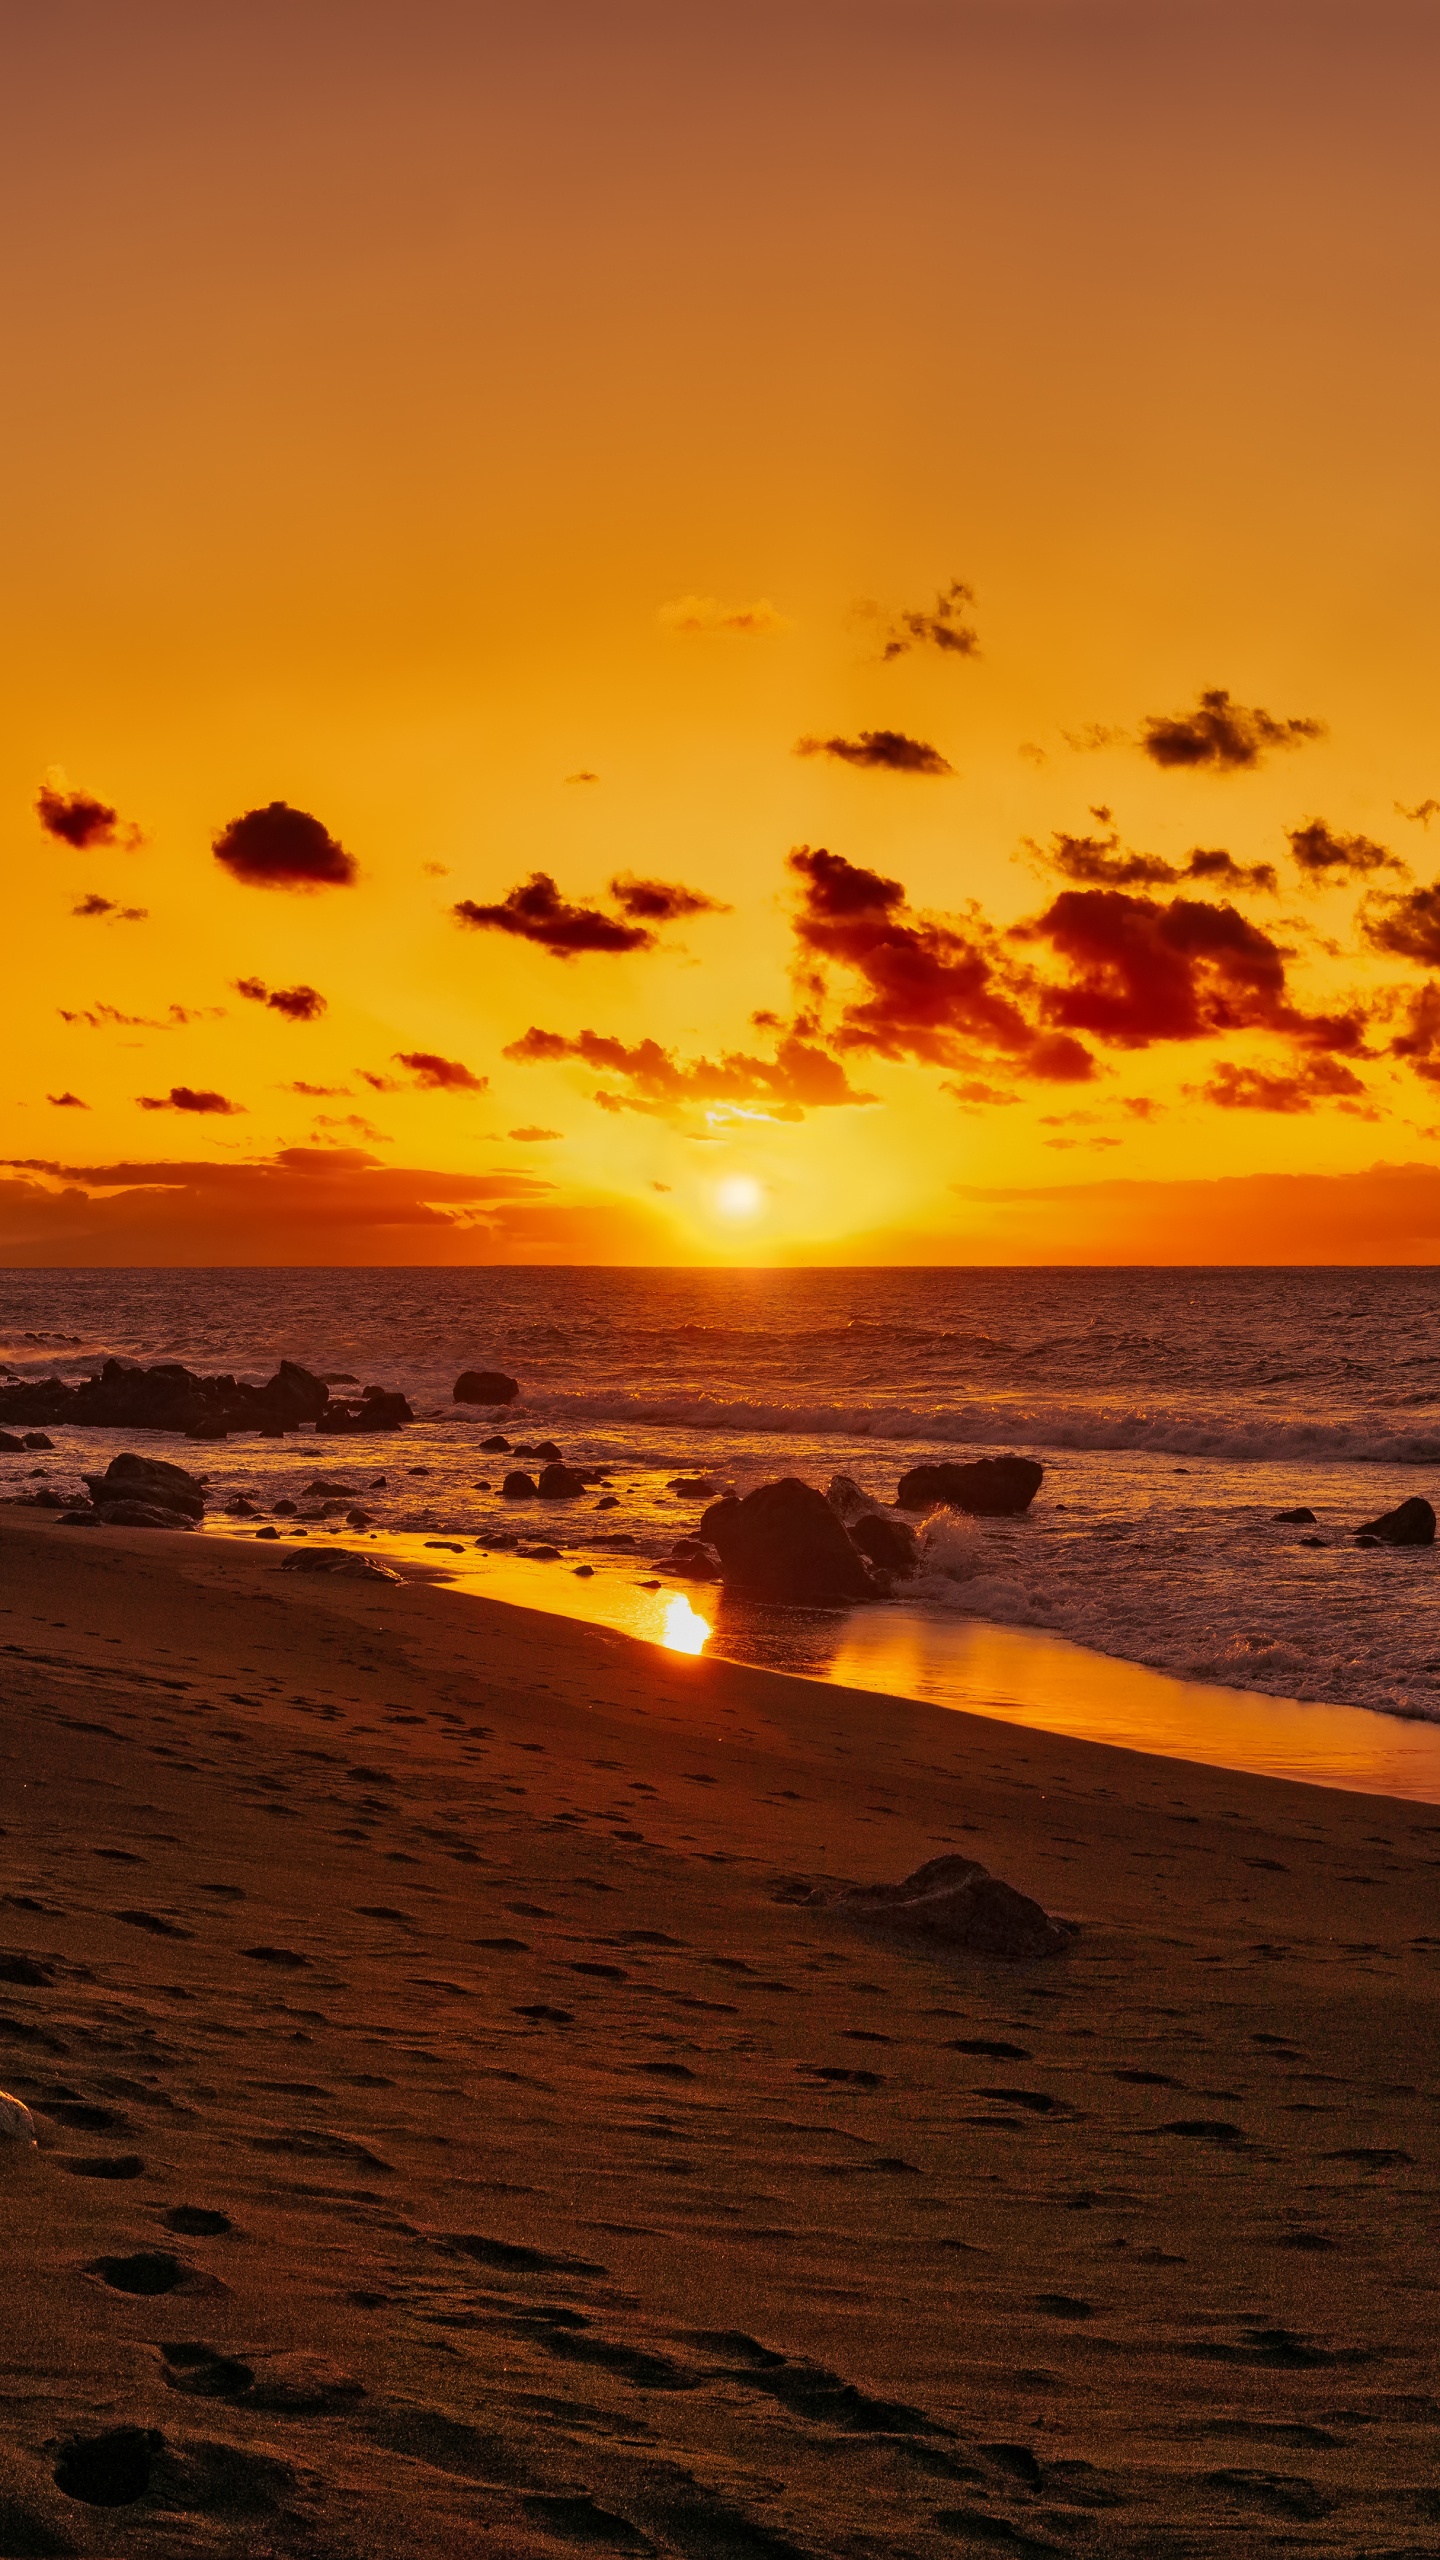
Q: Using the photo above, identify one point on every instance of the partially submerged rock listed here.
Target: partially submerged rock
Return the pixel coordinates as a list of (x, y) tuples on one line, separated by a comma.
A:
[(133, 1479), (170, 1397), (341, 1561), (484, 1386), (784, 1542), (955, 1902), (519, 1487), (377, 1411), (691, 1557), (988, 1488), (891, 1544), (1410, 1524), (560, 1484)]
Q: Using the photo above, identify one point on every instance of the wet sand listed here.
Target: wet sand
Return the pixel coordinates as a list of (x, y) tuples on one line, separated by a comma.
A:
[(454, 2137)]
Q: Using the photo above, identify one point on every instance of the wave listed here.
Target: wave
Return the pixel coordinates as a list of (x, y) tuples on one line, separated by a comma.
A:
[(1361, 1440)]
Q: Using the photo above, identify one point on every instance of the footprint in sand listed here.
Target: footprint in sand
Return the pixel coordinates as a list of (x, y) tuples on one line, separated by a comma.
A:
[(150, 2271), (198, 2221), (151, 1920), (286, 1957), (117, 2164)]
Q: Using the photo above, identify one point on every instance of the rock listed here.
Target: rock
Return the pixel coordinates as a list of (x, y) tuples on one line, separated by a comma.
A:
[(1410, 1524), (608, 1502), (11, 1447), (358, 1519), (321, 1485), (377, 1410), (496, 1444), (583, 1572), (846, 1499), (285, 1508), (547, 1450), (889, 1543), (955, 1902), (695, 1560), (341, 1378), (783, 1542), (129, 1478), (560, 1484), (518, 1487), (542, 1555), (242, 1508), (1323, 1542), (37, 1440), (208, 1431), (46, 1499), (17, 2128), (140, 1515), (339, 1560), (1365, 1541), (693, 1488), (484, 1386), (988, 1488), (1301, 1519), (267, 1532)]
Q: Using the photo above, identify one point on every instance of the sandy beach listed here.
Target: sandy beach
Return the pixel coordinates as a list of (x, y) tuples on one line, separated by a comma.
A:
[(455, 2135)]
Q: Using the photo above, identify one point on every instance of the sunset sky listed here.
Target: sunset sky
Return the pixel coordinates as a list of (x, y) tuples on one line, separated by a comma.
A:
[(917, 519)]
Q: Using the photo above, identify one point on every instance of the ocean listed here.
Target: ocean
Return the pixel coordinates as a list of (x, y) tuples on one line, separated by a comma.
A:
[(1176, 1412)]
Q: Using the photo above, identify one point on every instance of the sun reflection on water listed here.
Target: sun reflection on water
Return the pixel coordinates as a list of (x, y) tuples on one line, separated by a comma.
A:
[(683, 1630)]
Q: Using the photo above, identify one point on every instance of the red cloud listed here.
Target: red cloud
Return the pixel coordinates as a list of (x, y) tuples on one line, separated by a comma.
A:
[(77, 818), (935, 988), (184, 1097), (1408, 925), (95, 905), (1098, 862), (536, 912), (67, 1101), (661, 901), (298, 1004), (278, 847), (1142, 972), (1321, 853), (437, 1075), (1251, 1089), (799, 1078)]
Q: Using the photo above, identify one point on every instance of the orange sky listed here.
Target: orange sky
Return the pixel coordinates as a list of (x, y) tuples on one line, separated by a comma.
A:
[(415, 409)]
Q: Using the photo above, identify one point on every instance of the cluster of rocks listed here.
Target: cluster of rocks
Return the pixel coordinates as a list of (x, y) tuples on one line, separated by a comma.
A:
[(170, 1397), (1410, 1524), (788, 1542)]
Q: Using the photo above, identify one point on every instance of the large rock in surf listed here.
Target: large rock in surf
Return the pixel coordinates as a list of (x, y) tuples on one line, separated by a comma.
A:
[(989, 1488), (376, 1411), (783, 1542), (131, 1479), (955, 1902), (1410, 1524), (560, 1484), (519, 1487), (170, 1397), (484, 1386), (891, 1544)]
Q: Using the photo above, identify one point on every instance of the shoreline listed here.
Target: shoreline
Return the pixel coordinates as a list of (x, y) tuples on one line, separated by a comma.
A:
[(416, 1996)]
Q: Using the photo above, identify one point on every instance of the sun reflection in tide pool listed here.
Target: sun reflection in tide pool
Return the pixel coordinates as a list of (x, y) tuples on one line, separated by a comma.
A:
[(683, 1629)]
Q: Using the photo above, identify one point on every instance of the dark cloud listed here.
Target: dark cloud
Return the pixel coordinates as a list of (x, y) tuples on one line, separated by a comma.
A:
[(1293, 1090), (184, 1097), (880, 750), (379, 1084), (1419, 1043), (584, 776), (67, 1101), (533, 1137), (1408, 925), (536, 912), (800, 1077), (321, 1092), (77, 818), (1222, 736), (278, 847), (1422, 813), (662, 901), (939, 989), (1099, 862), (1185, 970), (1323, 855), (108, 1017), (298, 1004), (95, 905), (439, 1075), (942, 628), (1216, 864), (975, 1095)]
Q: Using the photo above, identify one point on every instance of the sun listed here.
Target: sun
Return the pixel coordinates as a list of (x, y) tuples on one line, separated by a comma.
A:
[(739, 1196)]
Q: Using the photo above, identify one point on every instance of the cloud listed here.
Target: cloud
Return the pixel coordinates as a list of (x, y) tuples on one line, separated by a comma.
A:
[(1142, 971), (95, 905), (536, 912), (533, 1137), (800, 1077), (439, 1075), (1252, 1089), (1321, 853), (975, 1095), (1422, 813), (584, 775), (1095, 739), (278, 847), (320, 1092), (77, 818), (435, 870), (67, 1101), (660, 1186), (184, 1097), (108, 1017), (379, 1084), (1099, 862), (880, 751), (1419, 1043), (298, 1004), (315, 1206), (1221, 736), (355, 1120), (691, 615), (939, 989), (1408, 925), (941, 628), (662, 901)]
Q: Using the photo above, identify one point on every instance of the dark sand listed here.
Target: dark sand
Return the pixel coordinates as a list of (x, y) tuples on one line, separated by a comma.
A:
[(582, 2192)]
